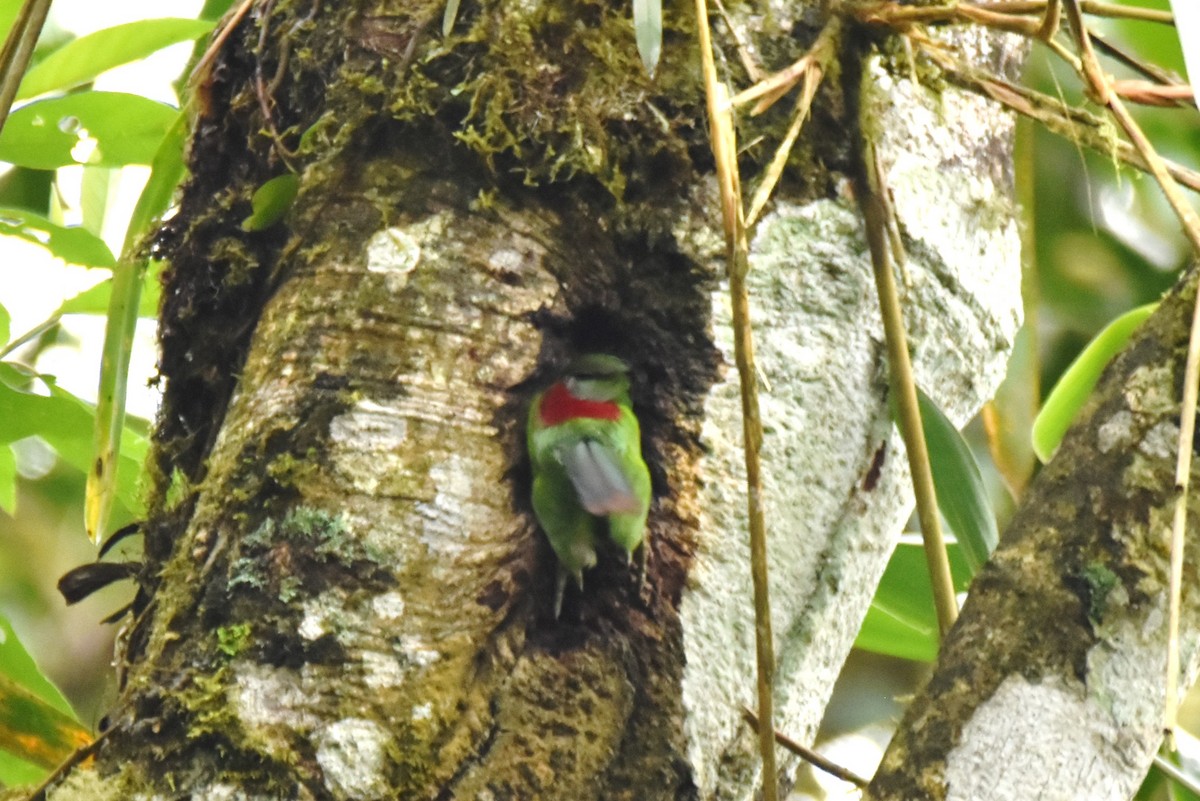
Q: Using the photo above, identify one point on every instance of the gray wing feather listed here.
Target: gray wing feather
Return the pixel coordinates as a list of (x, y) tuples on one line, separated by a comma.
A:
[(595, 472)]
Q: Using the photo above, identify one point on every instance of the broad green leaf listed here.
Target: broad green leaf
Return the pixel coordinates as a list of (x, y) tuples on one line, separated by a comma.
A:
[(647, 28), (35, 731), (66, 424), (961, 495), (5, 323), (15, 772), (108, 129), (902, 621), (74, 245), (1077, 382), (18, 665), (271, 201), (8, 480), (96, 300), (34, 710), (80, 61)]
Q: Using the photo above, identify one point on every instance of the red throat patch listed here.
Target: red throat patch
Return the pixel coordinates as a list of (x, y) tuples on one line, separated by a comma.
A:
[(560, 406)]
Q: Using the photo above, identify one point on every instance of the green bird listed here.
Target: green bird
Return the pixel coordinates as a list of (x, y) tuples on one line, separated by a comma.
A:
[(586, 448)]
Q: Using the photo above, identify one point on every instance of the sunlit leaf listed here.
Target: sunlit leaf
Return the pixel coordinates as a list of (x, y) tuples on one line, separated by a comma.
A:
[(902, 621), (19, 665), (81, 60), (647, 28), (36, 722), (1187, 24), (961, 495), (66, 424), (102, 128), (271, 201), (5, 326), (73, 245), (1077, 382), (96, 300)]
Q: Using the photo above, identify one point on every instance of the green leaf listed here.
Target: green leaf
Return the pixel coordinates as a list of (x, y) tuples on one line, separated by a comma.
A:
[(73, 245), (961, 495), (37, 723), (96, 300), (166, 171), (34, 730), (902, 621), (124, 128), (94, 190), (16, 772), (17, 663), (66, 424), (449, 16), (8, 480), (103, 475), (647, 28), (1077, 382), (80, 61), (271, 201), (5, 323)]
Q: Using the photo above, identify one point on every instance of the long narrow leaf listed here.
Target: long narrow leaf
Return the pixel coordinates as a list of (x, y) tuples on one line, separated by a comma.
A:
[(80, 61), (1073, 388), (647, 28), (166, 172), (962, 497)]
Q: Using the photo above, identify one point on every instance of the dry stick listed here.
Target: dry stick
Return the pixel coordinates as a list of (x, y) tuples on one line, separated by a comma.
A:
[(810, 756), (18, 50), (1093, 8), (1055, 115), (737, 251), (819, 57), (903, 387), (1191, 375)]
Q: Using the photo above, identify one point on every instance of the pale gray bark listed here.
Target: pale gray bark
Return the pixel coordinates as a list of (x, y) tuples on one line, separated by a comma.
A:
[(1052, 683)]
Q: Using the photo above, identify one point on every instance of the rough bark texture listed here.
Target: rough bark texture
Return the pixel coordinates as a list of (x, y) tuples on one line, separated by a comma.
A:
[(1052, 682), (348, 597)]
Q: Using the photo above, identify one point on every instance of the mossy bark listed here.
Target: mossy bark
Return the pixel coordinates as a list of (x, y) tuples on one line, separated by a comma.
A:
[(1054, 676), (345, 594)]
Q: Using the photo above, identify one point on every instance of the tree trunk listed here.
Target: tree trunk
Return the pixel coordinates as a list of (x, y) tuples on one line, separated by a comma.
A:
[(1053, 679), (346, 592)]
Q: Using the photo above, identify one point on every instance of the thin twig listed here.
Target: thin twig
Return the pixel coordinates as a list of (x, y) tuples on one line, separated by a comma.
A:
[(76, 757), (1151, 71), (1056, 116), (819, 58), (870, 191), (18, 50), (1174, 773), (737, 248), (1096, 9), (810, 756), (1101, 87)]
